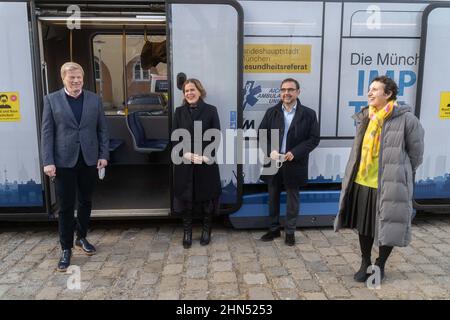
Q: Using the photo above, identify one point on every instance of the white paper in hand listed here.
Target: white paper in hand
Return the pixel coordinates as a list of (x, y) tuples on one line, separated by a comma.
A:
[(101, 173)]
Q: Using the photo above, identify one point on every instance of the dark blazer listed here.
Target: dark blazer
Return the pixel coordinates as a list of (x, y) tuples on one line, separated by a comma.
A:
[(200, 180), (62, 137), (303, 137)]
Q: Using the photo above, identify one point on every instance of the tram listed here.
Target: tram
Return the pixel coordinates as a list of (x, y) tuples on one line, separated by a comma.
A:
[(136, 55)]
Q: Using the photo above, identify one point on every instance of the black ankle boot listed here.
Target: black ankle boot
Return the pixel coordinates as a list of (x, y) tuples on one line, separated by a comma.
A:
[(361, 275), (206, 230), (187, 237)]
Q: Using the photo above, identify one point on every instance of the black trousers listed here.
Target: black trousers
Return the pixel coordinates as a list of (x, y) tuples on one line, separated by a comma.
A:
[(275, 187), (71, 184)]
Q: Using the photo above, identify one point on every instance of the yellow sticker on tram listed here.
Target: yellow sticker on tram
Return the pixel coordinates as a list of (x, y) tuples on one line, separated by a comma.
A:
[(277, 58), (9, 106), (444, 106)]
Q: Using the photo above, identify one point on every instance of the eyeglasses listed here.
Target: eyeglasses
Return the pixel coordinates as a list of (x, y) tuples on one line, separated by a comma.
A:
[(290, 90)]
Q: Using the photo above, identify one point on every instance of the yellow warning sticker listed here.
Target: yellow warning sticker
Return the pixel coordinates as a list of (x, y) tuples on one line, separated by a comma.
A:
[(9, 106), (444, 106), (277, 58)]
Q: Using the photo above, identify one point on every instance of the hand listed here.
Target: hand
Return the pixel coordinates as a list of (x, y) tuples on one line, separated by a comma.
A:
[(188, 156), (50, 170), (194, 158), (205, 159), (197, 159), (274, 155), (289, 156), (101, 163)]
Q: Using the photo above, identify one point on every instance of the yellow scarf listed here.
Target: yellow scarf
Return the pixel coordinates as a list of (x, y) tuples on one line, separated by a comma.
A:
[(371, 143)]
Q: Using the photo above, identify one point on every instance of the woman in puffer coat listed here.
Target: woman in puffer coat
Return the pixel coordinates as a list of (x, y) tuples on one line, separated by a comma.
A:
[(377, 189)]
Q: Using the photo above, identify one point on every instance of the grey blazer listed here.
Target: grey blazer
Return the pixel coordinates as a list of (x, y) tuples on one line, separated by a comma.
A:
[(62, 136)]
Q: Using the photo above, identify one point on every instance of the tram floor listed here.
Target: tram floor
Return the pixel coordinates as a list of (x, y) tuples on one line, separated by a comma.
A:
[(133, 187)]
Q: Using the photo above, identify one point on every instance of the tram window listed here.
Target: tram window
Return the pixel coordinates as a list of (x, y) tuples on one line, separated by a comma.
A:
[(140, 74), (108, 71)]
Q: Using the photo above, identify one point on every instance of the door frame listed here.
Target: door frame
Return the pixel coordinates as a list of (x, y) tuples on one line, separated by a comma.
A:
[(421, 71)]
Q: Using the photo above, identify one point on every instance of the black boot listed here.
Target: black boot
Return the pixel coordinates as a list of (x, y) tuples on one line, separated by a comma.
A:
[(384, 253), (187, 226), (366, 243), (206, 230), (361, 275), (380, 263)]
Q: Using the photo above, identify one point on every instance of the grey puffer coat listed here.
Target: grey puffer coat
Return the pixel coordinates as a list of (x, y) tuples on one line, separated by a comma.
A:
[(401, 152)]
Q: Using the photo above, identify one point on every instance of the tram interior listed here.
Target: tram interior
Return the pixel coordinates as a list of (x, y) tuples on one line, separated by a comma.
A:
[(110, 53)]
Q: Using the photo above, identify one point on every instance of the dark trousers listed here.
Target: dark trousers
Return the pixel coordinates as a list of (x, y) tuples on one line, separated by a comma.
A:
[(292, 204), (71, 183)]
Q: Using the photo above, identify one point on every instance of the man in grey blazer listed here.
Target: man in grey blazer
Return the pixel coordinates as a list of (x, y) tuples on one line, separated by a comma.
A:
[(74, 144)]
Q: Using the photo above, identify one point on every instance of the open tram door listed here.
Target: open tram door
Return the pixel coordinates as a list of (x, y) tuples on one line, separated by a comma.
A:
[(432, 187), (205, 42), (108, 42)]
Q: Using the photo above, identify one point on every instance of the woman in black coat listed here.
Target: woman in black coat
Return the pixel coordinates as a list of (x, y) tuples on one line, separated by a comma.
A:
[(197, 184)]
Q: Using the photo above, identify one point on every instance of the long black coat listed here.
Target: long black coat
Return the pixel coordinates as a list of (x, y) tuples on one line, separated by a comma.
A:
[(196, 182), (303, 137)]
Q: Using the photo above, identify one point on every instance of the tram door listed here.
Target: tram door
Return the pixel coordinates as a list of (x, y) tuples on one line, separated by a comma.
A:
[(432, 188), (136, 183), (206, 44), (21, 180)]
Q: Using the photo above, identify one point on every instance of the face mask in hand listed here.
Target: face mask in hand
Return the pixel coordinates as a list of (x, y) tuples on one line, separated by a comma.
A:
[(101, 173)]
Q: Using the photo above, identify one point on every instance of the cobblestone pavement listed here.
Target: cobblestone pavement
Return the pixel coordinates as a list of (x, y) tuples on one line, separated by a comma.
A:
[(145, 260)]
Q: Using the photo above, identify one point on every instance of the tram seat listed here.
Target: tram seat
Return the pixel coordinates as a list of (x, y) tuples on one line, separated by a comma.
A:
[(114, 144), (140, 142)]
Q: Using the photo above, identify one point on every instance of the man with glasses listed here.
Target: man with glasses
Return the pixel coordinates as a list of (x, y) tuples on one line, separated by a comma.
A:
[(299, 134)]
